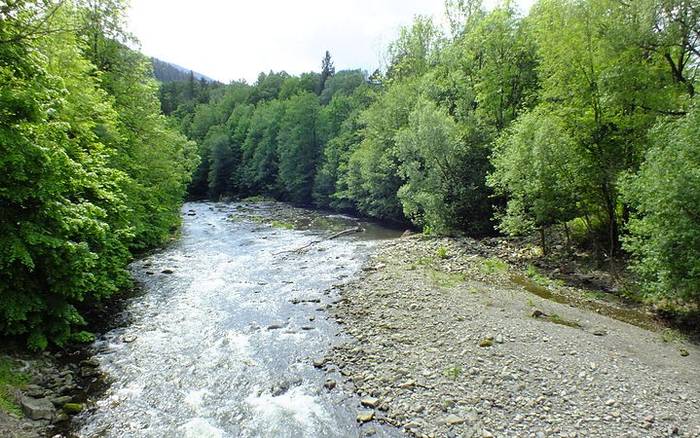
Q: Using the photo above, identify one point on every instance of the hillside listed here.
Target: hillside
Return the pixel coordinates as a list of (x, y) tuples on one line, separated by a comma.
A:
[(168, 72)]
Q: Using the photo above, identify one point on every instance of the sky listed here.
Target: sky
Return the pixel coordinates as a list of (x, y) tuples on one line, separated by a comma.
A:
[(237, 39)]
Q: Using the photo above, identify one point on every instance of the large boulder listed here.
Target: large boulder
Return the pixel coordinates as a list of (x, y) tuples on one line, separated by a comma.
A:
[(37, 408)]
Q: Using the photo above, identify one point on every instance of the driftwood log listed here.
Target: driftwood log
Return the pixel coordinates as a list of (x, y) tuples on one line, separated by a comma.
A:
[(299, 250)]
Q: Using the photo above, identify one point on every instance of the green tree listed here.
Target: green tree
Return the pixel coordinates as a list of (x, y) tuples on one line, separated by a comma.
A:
[(260, 155), (298, 147), (327, 71), (665, 225), (536, 168)]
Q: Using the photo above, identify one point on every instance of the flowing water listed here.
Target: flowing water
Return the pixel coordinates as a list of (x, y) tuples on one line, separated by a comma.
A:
[(223, 345)]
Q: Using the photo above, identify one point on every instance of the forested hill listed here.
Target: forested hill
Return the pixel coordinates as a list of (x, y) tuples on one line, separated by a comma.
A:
[(92, 172), (169, 72), (580, 117)]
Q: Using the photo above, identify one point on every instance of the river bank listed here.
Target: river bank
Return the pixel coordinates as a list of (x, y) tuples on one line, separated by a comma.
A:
[(448, 342)]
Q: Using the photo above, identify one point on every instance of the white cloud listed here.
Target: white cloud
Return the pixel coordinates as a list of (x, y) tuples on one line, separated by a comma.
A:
[(237, 39)]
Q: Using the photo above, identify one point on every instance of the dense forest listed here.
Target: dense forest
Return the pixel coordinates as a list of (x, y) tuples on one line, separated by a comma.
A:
[(92, 172), (580, 116)]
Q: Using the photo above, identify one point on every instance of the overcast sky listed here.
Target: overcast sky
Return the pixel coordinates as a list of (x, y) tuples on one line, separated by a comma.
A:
[(237, 39)]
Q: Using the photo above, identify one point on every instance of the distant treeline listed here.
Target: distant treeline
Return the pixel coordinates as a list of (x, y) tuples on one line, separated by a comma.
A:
[(581, 114), (92, 172)]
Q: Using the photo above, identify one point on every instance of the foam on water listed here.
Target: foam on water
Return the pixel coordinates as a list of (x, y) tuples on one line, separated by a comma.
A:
[(303, 408), (200, 428), (198, 359)]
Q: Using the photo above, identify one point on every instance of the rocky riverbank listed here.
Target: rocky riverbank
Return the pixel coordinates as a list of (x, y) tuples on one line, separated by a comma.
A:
[(448, 341), (58, 385)]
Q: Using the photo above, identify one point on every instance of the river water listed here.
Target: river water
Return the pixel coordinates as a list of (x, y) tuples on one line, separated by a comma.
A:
[(223, 346)]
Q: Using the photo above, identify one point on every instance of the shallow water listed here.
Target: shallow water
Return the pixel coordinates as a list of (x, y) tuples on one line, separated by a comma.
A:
[(217, 348)]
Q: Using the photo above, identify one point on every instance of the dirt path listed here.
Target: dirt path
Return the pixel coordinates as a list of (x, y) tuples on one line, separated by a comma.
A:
[(446, 345)]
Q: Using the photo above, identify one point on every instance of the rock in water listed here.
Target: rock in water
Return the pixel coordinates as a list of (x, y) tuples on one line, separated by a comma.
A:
[(37, 408), (73, 408)]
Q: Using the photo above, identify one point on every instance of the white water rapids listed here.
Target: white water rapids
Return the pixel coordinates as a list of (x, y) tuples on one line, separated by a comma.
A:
[(217, 348)]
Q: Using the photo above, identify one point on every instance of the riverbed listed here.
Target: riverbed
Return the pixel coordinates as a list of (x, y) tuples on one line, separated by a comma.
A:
[(223, 339)]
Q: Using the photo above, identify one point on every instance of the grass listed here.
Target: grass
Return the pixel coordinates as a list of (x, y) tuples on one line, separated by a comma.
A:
[(441, 253), (453, 372), (9, 380), (446, 280), (671, 335), (556, 319), (493, 266), (282, 225), (424, 261), (534, 274), (596, 295)]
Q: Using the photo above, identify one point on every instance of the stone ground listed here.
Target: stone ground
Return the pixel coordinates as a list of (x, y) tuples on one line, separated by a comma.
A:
[(445, 344)]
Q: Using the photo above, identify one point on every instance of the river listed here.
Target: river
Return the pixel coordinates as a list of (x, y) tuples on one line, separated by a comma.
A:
[(221, 342)]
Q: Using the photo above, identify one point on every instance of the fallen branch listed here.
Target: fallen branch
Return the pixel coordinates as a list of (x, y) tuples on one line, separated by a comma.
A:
[(348, 231), (299, 250)]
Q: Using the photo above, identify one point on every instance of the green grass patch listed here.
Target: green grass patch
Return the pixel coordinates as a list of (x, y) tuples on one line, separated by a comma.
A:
[(493, 266), (453, 372), (10, 379), (534, 274), (282, 225), (424, 261), (670, 336), (446, 280), (441, 253), (596, 295), (556, 319)]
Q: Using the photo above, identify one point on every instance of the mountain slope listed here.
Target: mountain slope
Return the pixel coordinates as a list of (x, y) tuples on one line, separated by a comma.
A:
[(169, 72)]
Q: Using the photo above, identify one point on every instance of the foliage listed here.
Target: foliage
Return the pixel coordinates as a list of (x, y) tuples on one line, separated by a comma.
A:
[(298, 147), (665, 229), (508, 124), (91, 170), (535, 165)]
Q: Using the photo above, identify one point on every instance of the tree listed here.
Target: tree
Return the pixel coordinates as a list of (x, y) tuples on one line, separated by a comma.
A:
[(298, 148), (536, 168), (665, 226), (372, 179), (223, 160), (260, 154), (610, 89), (327, 71), (344, 82), (415, 50), (92, 171)]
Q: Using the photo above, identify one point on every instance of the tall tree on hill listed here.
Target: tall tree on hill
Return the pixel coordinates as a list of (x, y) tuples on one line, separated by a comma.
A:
[(327, 70)]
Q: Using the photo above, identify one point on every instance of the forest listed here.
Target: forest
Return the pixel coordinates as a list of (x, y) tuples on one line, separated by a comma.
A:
[(579, 116), (92, 172)]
